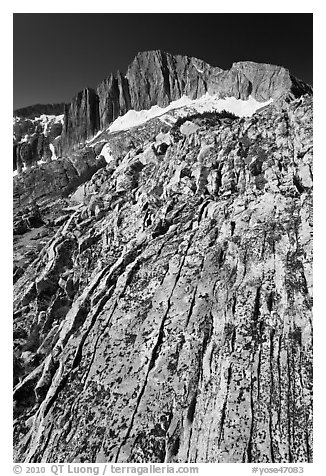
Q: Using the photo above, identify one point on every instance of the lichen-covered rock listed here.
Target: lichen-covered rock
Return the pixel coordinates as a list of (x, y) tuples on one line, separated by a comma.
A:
[(173, 322)]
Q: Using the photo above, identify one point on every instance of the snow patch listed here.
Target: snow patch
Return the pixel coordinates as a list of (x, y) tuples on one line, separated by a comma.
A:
[(46, 118), (24, 139), (44, 121), (54, 157), (136, 118), (88, 141), (107, 154), (60, 118), (16, 172), (240, 107), (199, 70)]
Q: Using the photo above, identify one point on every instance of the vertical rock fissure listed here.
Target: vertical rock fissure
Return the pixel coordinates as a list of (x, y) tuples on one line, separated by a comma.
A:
[(290, 416), (101, 305), (154, 353), (271, 405), (192, 305), (249, 444), (224, 408)]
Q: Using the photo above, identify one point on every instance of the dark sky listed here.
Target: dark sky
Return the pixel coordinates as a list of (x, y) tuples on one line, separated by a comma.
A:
[(56, 55)]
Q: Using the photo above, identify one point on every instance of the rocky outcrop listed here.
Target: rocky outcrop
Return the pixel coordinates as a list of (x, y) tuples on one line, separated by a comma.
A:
[(81, 120), (27, 219), (168, 318), (33, 139), (56, 178), (261, 81), (114, 99), (157, 78)]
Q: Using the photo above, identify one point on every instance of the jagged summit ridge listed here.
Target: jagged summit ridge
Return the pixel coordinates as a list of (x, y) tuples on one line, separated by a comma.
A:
[(157, 78), (153, 79)]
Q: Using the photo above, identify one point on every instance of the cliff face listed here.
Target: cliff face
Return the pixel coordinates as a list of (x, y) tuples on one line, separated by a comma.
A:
[(168, 318), (157, 78), (81, 119), (262, 81), (114, 99)]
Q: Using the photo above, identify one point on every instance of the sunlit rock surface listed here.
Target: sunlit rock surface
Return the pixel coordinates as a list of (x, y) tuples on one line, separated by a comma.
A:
[(167, 315)]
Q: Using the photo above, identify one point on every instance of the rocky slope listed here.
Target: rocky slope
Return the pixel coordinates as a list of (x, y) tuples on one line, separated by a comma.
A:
[(157, 78), (166, 316), (37, 134), (57, 178), (31, 112), (36, 140)]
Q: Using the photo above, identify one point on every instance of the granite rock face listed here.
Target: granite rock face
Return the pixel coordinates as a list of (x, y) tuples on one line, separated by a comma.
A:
[(157, 78), (81, 118), (56, 178), (261, 81), (114, 99), (168, 316)]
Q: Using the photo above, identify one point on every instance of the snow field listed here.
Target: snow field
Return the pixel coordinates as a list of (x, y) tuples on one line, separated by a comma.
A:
[(240, 107)]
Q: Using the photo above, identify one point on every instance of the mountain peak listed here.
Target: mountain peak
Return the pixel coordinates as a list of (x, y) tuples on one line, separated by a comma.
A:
[(156, 78)]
